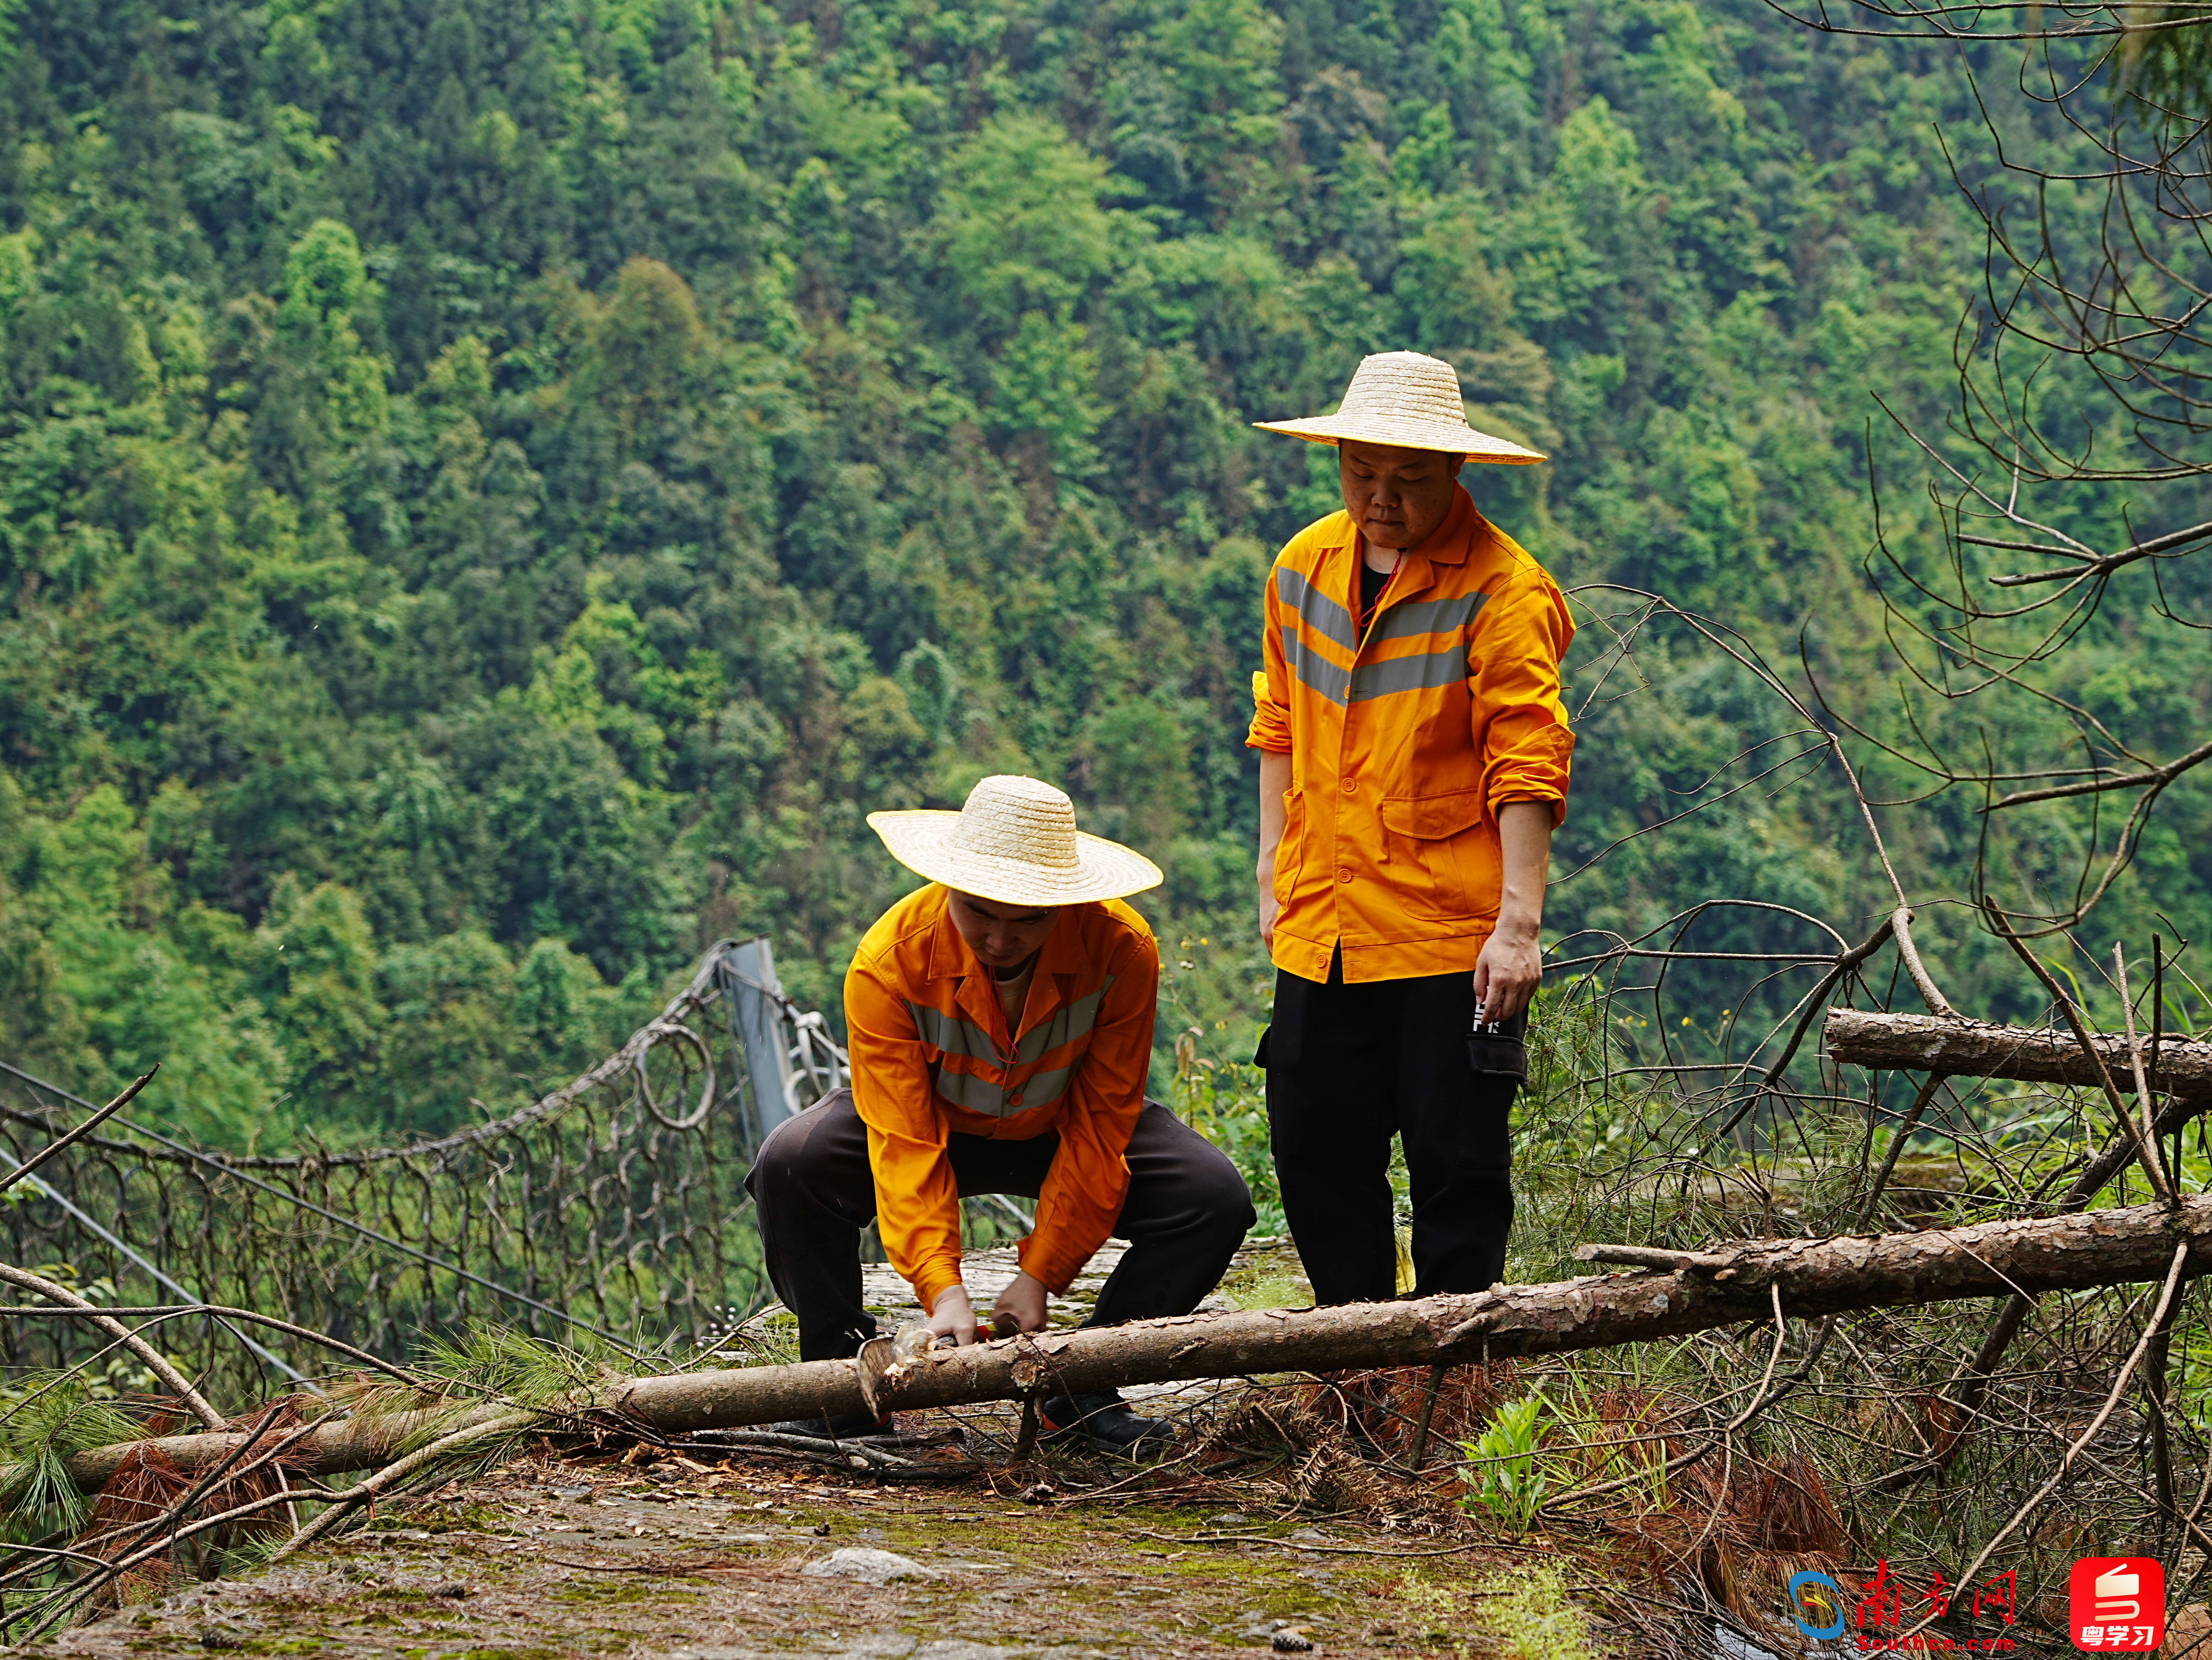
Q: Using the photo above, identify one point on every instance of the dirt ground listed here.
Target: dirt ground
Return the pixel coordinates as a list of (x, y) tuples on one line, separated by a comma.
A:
[(684, 1561), (544, 1559)]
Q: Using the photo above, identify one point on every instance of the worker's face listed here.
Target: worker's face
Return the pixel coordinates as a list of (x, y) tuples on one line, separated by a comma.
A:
[(1395, 496), (1001, 935)]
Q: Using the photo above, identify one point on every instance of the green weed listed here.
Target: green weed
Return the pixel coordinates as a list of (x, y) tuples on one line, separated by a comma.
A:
[(1602, 1449), (1268, 1291), (1503, 1475), (1526, 1612), (1429, 1606)]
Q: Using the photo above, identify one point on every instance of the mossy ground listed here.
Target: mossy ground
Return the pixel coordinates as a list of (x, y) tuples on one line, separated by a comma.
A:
[(706, 1565)]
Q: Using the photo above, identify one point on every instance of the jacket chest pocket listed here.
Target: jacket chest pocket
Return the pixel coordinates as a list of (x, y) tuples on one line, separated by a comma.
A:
[(1434, 836)]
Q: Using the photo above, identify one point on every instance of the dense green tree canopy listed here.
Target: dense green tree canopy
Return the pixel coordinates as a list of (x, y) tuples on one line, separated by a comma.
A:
[(491, 493)]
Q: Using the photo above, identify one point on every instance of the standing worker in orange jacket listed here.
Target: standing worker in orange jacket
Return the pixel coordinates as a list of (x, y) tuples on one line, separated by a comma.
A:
[(1000, 1023), (1413, 765)]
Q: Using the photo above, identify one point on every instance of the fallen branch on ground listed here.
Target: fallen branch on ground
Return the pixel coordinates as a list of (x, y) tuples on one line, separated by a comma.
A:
[(391, 1475), (1929, 1043), (1726, 1284), (156, 1360)]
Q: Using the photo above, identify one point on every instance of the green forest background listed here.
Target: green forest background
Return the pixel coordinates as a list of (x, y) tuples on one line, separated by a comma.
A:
[(493, 491)]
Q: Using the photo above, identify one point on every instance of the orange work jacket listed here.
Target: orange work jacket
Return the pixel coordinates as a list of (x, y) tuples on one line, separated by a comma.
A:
[(931, 1054), (1404, 745)]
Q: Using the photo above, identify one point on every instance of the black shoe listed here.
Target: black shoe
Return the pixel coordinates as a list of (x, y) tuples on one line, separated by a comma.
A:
[(1100, 1422), (838, 1427)]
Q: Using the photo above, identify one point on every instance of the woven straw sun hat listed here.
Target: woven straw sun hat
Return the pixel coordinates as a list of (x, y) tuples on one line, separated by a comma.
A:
[(1015, 842), (1410, 400)]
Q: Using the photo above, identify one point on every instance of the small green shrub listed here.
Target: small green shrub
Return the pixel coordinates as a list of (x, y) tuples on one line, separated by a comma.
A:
[(1503, 1476)]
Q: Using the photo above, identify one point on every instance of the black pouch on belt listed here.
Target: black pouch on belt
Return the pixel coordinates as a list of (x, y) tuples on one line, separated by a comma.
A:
[(1499, 1048)]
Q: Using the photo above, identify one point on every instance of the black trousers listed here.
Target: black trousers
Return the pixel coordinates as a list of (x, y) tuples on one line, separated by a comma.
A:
[(1348, 1067), (1185, 1214)]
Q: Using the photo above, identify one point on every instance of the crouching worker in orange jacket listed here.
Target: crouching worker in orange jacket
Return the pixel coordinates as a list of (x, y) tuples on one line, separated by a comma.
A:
[(1414, 763), (999, 1024)]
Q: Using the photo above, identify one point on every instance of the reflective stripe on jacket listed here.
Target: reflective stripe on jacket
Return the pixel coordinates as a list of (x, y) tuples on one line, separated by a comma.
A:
[(1403, 745), (929, 1045)]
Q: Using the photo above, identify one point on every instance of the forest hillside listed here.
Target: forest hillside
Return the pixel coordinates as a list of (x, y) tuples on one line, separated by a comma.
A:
[(493, 491)]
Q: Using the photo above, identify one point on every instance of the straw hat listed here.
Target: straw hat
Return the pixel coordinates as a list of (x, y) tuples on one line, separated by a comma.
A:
[(1408, 400), (1015, 842)]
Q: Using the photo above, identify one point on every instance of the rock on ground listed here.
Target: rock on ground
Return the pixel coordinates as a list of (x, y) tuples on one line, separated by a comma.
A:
[(870, 1566)]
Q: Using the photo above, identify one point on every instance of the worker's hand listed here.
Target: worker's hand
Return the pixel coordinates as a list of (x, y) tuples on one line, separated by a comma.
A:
[(1022, 1302), (1270, 907), (1508, 973), (953, 1316)]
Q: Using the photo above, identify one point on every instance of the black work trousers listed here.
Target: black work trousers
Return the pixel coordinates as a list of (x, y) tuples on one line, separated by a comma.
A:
[(1348, 1067), (1184, 1215)]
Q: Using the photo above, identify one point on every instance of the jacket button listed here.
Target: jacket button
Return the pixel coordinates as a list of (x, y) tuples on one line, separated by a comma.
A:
[(1014, 1099), (1350, 786), (1344, 873)]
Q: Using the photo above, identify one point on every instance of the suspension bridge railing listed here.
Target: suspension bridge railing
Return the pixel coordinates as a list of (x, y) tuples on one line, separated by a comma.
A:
[(614, 1204)]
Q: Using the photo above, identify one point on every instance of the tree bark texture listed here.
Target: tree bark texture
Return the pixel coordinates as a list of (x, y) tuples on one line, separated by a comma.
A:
[(1929, 1043), (1726, 1284)]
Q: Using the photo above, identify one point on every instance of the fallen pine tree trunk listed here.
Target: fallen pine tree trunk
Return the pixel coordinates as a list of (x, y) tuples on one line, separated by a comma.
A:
[(1686, 1292), (1930, 1043)]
